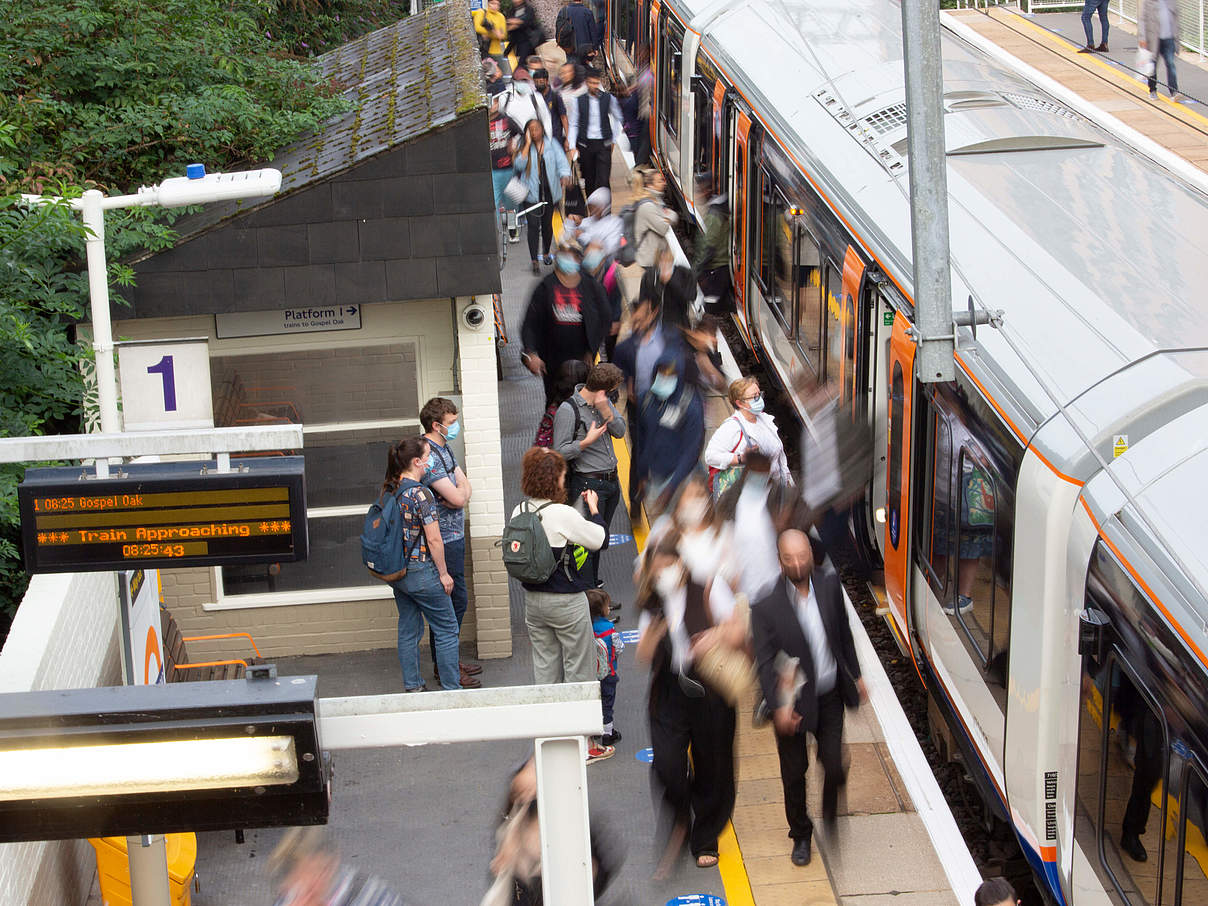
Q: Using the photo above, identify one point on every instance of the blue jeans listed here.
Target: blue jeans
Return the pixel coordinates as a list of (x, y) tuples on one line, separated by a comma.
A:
[(1166, 49), (1088, 11), (499, 182), (419, 596), (455, 563)]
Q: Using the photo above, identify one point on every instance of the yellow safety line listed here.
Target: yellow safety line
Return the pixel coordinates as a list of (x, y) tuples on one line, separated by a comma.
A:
[(729, 856), (1064, 43)]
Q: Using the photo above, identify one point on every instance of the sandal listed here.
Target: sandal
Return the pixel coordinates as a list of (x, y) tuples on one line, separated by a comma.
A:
[(706, 860)]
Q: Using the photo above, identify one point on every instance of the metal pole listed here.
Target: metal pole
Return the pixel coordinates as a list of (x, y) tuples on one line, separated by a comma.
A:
[(102, 329), (562, 812), (149, 870), (924, 67)]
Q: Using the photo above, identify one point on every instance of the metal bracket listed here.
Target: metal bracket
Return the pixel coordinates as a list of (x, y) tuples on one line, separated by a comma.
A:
[(260, 672), (974, 316)]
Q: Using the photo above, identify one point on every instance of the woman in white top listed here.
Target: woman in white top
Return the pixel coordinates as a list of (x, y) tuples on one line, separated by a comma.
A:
[(556, 611), (748, 428), (705, 540), (681, 618)]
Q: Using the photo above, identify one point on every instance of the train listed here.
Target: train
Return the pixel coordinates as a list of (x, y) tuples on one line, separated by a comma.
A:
[(1042, 520)]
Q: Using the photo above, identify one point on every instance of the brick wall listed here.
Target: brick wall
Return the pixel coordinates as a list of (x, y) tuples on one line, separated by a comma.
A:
[(487, 580), (63, 637)]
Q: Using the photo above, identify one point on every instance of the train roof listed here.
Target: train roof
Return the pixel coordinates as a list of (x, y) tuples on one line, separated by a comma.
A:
[(1092, 251)]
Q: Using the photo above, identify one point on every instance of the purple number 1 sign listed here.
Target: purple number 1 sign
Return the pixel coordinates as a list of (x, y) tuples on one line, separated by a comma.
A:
[(164, 369)]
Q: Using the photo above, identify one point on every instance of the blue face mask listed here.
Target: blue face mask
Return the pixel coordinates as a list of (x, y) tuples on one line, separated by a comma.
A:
[(592, 260), (663, 385), (451, 431), (756, 405), (567, 264), (431, 463)]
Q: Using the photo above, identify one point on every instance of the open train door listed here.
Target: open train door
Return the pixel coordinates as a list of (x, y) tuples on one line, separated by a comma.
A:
[(900, 373), (739, 244)]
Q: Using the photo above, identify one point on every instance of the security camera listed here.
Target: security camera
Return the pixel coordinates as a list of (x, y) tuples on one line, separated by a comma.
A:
[(474, 316)]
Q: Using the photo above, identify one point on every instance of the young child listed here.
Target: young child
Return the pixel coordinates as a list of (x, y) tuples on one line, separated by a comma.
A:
[(600, 604)]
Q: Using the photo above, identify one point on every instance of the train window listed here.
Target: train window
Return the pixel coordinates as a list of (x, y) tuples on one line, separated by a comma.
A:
[(670, 75), (897, 408), (808, 283), (1121, 803), (973, 605), (834, 322), (935, 510), (702, 100)]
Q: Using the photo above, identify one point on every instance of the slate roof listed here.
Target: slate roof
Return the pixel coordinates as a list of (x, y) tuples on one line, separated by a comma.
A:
[(403, 81)]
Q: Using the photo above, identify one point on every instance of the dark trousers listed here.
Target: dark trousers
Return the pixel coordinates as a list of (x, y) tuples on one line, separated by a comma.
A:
[(609, 491), (595, 163), (633, 424), (455, 563), (702, 794), (794, 761), (540, 221), (1166, 50), (608, 696), (1089, 8)]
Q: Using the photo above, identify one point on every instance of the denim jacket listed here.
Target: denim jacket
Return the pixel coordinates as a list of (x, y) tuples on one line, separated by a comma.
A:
[(556, 166)]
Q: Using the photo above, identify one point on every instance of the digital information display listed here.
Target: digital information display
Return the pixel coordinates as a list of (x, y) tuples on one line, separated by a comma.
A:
[(164, 515)]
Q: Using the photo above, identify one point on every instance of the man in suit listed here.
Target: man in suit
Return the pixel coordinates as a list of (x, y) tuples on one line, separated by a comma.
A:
[(803, 616)]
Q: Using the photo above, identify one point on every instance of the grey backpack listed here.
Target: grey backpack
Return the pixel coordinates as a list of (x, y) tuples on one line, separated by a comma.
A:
[(527, 555)]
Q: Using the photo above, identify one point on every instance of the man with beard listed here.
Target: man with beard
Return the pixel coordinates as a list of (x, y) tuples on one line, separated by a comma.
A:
[(806, 659)]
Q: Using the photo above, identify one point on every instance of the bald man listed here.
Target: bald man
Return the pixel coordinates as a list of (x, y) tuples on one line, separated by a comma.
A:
[(803, 619)]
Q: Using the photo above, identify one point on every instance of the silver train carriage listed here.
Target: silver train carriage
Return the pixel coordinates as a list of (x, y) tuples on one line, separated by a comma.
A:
[(1043, 519)]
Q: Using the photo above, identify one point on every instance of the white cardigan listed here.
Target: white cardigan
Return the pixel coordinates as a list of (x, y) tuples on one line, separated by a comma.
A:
[(736, 434)]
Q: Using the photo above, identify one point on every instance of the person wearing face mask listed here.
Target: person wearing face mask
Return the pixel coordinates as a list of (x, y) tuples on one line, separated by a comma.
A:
[(584, 427), (423, 592), (521, 103), (673, 429), (706, 544), (601, 227), (682, 617), (568, 316), (451, 488), (652, 220), (749, 428), (553, 100), (806, 660)]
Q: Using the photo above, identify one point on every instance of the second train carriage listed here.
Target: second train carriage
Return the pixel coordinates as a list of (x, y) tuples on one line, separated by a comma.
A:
[(1043, 519)]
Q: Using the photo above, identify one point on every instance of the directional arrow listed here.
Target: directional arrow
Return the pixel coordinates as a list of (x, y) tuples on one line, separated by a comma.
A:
[(351, 309)]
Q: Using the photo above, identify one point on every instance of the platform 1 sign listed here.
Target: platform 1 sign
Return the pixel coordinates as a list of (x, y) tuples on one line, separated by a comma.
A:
[(164, 515), (303, 319)]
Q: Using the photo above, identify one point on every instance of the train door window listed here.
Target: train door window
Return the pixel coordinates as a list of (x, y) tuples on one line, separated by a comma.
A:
[(976, 508), (623, 21), (897, 409), (1121, 803), (670, 75), (1185, 871), (702, 109), (808, 282), (833, 341), (934, 503)]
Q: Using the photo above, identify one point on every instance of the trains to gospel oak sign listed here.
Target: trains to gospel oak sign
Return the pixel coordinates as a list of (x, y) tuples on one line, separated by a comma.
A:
[(164, 515)]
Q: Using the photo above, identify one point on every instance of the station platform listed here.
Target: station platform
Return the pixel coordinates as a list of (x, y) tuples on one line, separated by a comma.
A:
[(1049, 43)]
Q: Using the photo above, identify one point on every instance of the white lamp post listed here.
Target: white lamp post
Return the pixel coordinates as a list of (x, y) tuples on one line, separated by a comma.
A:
[(197, 187), (148, 865)]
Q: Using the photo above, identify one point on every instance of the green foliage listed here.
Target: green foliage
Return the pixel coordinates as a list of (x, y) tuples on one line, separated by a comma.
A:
[(309, 27), (112, 94)]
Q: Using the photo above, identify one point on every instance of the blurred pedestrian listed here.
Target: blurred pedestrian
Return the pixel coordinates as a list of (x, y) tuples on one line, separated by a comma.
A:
[(1089, 8), (601, 227), (673, 430), (492, 77), (308, 872), (525, 34), (492, 31), (809, 673), (423, 593), (546, 171), (672, 286), (604, 270), (652, 220), (452, 490), (681, 618), (603, 624), (571, 375), (584, 428), (711, 263), (555, 611), (594, 125), (706, 542), (749, 428), (568, 316), (575, 26), (553, 100), (503, 135), (1158, 32), (995, 892), (522, 103), (753, 510)]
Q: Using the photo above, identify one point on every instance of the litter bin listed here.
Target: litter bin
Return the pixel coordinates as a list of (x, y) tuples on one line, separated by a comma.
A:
[(113, 868)]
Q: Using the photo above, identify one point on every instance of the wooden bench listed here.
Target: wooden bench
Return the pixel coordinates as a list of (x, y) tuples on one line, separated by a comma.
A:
[(178, 668)]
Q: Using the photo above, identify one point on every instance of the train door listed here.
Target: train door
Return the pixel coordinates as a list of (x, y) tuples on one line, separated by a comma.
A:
[(739, 229), (853, 328), (900, 377)]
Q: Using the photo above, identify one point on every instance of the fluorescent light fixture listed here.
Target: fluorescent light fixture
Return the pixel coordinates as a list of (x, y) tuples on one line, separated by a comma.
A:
[(122, 760), (208, 187), (147, 767)]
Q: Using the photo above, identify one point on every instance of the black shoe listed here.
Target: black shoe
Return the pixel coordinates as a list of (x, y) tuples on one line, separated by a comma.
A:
[(801, 852), (1102, 48), (611, 739), (1087, 49), (613, 606), (1131, 844)]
